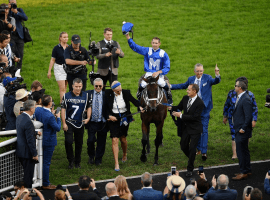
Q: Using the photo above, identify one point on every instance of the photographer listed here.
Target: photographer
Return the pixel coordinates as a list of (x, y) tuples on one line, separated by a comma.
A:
[(17, 37), (6, 22), (109, 51), (76, 58), (3, 64), (50, 127), (27, 194)]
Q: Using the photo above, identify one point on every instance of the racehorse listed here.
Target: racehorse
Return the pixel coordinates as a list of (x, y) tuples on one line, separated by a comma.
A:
[(152, 98)]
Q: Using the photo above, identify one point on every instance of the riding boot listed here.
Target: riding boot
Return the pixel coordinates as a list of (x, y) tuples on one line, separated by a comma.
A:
[(168, 91), (139, 92)]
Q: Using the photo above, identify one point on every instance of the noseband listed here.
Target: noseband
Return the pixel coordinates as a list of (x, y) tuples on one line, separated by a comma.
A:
[(158, 98)]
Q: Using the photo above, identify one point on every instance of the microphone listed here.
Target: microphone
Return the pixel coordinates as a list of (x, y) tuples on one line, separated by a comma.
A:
[(93, 43)]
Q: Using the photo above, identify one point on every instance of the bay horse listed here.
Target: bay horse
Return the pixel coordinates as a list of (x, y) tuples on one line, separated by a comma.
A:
[(152, 98)]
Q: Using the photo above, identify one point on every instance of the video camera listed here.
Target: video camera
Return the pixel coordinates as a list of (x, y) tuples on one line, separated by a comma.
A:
[(110, 46), (3, 68), (2, 12), (267, 103), (12, 87), (93, 50), (13, 5)]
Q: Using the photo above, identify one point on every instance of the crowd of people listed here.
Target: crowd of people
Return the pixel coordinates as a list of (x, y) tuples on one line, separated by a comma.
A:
[(100, 111), (176, 188)]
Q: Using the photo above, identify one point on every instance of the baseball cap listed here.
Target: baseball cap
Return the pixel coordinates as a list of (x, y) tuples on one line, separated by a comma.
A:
[(76, 39), (7, 80)]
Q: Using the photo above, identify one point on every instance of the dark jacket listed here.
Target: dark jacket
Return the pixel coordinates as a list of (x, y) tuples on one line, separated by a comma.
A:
[(228, 194), (26, 138), (127, 98), (9, 102), (191, 119), (85, 195), (19, 17)]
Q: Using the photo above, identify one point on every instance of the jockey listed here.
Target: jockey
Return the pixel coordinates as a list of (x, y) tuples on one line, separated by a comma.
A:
[(156, 63)]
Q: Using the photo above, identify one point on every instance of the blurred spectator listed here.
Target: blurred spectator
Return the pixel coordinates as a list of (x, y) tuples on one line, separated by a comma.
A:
[(223, 192), (4, 64), (8, 23), (147, 192), (255, 194), (245, 191), (25, 194), (122, 187), (190, 192), (112, 191), (175, 187), (37, 97), (7, 195), (17, 37), (50, 127), (9, 102), (266, 183), (85, 183), (61, 194), (3, 90), (202, 185), (21, 97), (36, 86), (19, 185)]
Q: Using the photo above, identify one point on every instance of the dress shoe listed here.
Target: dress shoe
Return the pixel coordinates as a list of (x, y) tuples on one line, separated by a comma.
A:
[(198, 153), (70, 166), (249, 174), (189, 174), (240, 177), (49, 187), (78, 166), (204, 157), (91, 161)]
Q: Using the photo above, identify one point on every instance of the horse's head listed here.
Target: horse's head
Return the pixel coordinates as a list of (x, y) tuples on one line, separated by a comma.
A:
[(152, 93)]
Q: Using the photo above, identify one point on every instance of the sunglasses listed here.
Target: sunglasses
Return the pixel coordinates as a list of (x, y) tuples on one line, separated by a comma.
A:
[(236, 86), (96, 86)]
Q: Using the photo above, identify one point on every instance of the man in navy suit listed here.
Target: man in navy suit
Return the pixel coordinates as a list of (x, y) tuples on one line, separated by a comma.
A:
[(147, 192), (223, 192), (97, 124), (26, 142), (205, 83), (242, 124), (49, 141)]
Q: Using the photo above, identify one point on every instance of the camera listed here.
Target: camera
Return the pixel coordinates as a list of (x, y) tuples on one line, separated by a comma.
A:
[(13, 5), (216, 176), (200, 169), (110, 46), (3, 68), (93, 50), (32, 193), (64, 188), (2, 12), (248, 191), (12, 87), (192, 181), (267, 103), (173, 170)]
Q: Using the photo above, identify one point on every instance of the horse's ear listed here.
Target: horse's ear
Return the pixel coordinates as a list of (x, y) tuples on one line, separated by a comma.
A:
[(156, 79), (146, 80)]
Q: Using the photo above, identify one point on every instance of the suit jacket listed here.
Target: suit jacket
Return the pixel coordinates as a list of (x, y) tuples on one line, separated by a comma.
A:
[(191, 119), (19, 17), (127, 98), (213, 194), (84, 195), (50, 126), (242, 114), (147, 194), (116, 198), (26, 138), (206, 88)]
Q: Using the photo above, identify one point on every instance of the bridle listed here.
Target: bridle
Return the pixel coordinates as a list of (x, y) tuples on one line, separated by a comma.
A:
[(159, 97)]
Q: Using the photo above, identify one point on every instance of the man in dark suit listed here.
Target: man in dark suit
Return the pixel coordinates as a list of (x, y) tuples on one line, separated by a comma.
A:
[(242, 124), (205, 83), (88, 190), (223, 192), (112, 191), (26, 142), (109, 51), (192, 106), (147, 192), (117, 107), (97, 124)]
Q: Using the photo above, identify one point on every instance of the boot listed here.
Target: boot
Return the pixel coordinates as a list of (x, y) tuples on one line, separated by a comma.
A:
[(168, 94)]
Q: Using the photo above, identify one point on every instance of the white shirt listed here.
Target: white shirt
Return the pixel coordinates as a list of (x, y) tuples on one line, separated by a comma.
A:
[(239, 95), (119, 101), (47, 109), (2, 93), (192, 101)]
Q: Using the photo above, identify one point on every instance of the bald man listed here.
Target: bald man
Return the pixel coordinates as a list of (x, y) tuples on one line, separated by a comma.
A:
[(112, 191)]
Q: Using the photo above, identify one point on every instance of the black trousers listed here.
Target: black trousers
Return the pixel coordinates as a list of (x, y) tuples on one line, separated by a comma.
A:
[(188, 145), (110, 77), (28, 170), (100, 129), (70, 83), (18, 44), (78, 138)]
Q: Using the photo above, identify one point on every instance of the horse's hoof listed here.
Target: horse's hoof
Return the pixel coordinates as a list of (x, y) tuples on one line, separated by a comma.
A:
[(155, 164), (161, 145), (143, 158), (148, 151)]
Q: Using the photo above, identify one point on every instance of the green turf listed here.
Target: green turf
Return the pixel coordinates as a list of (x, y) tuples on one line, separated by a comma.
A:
[(233, 34)]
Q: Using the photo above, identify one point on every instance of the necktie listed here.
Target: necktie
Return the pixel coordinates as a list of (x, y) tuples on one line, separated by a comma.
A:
[(199, 84), (96, 109), (236, 101), (189, 104), (7, 54)]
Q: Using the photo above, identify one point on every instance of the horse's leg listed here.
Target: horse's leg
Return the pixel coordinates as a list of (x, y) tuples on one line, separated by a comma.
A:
[(145, 133), (158, 140), (148, 144)]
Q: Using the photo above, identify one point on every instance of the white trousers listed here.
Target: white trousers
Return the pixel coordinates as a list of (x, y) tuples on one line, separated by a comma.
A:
[(161, 82)]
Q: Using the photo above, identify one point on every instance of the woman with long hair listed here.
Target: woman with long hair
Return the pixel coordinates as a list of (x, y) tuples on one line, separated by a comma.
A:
[(58, 61), (122, 187)]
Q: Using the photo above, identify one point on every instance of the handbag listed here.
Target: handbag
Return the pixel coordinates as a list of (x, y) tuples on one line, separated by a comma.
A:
[(27, 36)]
